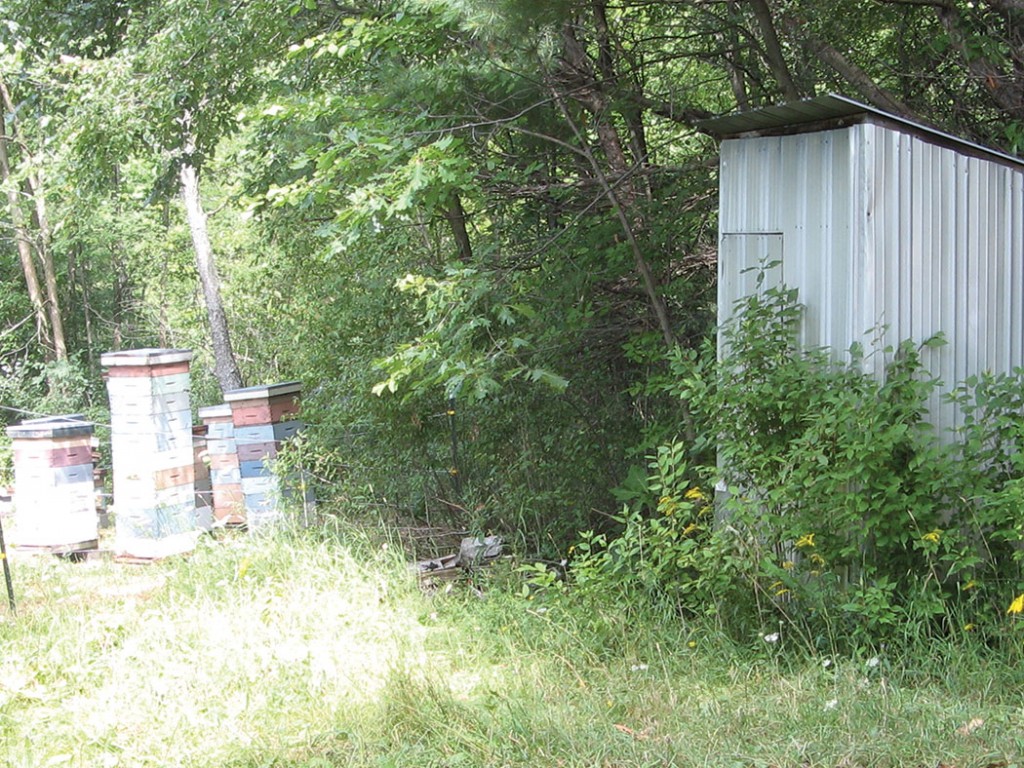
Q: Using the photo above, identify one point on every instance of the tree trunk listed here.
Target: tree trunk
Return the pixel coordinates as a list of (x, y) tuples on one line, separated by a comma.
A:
[(773, 50), (225, 366), (456, 216), (731, 45), (618, 185), (21, 238), (34, 190)]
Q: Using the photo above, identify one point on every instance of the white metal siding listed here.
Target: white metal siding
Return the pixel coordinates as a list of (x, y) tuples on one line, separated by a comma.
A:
[(887, 237), (799, 187)]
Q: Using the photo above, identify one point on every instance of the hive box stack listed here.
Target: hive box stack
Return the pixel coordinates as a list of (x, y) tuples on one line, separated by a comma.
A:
[(203, 484), (222, 458), (151, 446), (263, 418), (55, 495)]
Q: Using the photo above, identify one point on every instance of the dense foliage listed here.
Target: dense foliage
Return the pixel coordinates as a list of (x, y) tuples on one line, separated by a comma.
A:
[(839, 516), (482, 234)]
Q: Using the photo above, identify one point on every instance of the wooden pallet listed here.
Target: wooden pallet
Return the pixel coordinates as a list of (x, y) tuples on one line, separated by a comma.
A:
[(79, 551)]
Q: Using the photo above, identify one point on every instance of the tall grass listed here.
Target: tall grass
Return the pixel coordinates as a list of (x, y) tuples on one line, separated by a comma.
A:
[(306, 651)]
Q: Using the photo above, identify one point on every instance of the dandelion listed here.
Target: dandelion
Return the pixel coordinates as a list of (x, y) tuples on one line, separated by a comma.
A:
[(807, 540), (1017, 606), (932, 536)]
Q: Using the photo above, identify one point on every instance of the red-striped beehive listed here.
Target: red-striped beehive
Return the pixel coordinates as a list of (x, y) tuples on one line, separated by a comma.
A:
[(55, 494), (263, 418), (152, 451)]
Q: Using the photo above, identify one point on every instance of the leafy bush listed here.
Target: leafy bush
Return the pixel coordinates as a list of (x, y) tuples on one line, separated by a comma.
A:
[(839, 513)]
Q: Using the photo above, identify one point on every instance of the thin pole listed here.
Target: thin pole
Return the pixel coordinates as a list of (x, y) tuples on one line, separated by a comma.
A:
[(7, 571), (454, 471)]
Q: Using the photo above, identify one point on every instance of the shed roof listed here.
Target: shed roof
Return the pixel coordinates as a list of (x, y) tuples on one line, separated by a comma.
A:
[(832, 111)]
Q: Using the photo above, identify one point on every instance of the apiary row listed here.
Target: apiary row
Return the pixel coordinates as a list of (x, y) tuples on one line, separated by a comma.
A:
[(171, 479)]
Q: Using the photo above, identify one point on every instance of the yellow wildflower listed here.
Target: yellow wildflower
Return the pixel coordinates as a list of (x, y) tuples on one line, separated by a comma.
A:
[(695, 494), (692, 644), (970, 585), (243, 567), (968, 627), (933, 536), (807, 540), (788, 565), (1017, 606), (817, 559), (690, 529)]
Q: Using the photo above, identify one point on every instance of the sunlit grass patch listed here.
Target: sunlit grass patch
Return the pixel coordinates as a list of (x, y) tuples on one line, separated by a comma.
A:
[(303, 652)]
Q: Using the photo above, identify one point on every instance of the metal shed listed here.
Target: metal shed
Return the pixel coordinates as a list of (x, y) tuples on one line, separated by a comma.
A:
[(889, 229)]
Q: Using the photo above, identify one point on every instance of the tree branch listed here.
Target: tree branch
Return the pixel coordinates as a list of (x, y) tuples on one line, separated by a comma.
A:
[(773, 50), (849, 71)]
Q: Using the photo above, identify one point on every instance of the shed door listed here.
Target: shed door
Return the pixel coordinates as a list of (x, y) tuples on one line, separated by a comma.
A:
[(741, 258)]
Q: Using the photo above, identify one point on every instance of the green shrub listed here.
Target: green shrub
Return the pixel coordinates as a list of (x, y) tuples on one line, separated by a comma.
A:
[(839, 513)]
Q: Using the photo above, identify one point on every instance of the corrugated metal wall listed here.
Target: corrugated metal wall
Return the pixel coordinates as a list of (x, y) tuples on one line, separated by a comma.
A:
[(887, 237)]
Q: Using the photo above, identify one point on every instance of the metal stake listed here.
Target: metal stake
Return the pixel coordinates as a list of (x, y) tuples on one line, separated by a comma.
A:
[(7, 571), (454, 471)]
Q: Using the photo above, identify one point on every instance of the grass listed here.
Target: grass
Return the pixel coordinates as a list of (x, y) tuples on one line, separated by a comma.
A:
[(298, 651)]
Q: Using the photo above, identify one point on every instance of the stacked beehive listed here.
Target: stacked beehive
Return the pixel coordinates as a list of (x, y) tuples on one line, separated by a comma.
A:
[(222, 458), (203, 483), (55, 495), (263, 418), (151, 444)]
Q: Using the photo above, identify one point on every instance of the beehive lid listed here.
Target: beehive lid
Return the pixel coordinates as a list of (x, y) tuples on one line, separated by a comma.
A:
[(219, 411), (263, 392), (149, 356), (70, 425)]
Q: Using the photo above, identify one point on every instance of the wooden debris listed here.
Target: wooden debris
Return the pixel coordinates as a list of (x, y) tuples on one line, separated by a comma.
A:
[(473, 552)]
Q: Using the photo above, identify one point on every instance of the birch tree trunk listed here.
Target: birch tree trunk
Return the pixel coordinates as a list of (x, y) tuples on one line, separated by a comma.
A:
[(225, 365), (21, 238), (34, 188), (41, 243)]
